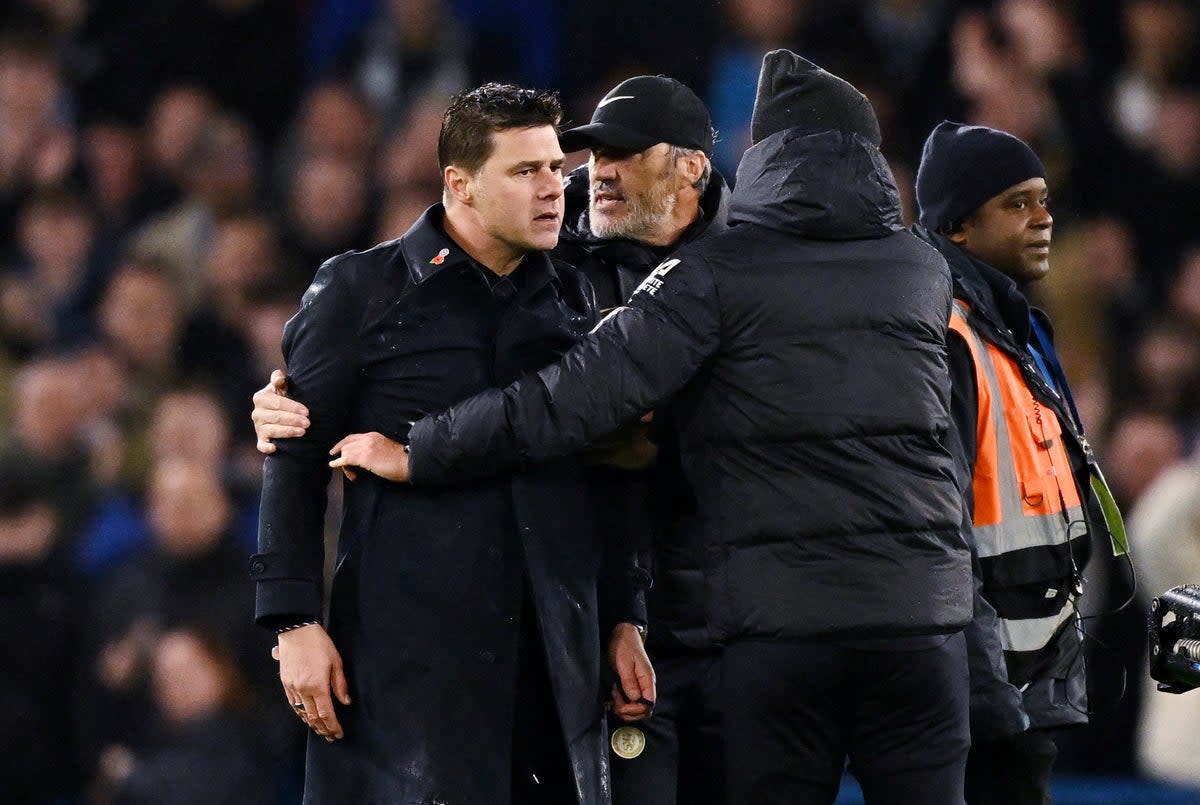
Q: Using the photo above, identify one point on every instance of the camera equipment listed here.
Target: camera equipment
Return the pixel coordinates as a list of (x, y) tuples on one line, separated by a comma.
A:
[(1175, 639)]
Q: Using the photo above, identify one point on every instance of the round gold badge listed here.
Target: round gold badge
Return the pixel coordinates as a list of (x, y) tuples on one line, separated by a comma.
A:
[(628, 742)]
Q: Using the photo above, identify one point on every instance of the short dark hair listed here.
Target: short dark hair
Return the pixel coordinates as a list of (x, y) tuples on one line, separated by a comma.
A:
[(474, 114)]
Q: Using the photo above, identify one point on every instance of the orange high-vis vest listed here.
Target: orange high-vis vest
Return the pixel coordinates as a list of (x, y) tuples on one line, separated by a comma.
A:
[(1024, 490)]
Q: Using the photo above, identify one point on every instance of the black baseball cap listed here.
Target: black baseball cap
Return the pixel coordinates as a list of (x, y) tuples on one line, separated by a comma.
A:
[(642, 111)]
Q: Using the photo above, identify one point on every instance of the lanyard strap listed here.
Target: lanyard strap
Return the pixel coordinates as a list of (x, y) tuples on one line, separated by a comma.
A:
[(1047, 361)]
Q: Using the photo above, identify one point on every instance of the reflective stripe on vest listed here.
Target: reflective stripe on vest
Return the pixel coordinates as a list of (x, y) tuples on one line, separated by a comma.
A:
[(1024, 489), (1033, 634)]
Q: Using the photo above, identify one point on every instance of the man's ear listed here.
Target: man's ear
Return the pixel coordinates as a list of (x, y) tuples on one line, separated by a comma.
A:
[(459, 184), (959, 234), (693, 167)]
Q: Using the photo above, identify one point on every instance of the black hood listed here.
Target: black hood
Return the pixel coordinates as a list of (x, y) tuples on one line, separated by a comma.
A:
[(829, 185), (577, 229), (815, 169), (793, 92)]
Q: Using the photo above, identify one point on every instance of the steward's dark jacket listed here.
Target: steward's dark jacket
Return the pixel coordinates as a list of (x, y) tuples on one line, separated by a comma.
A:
[(1052, 681), (806, 345), (427, 599), (654, 509)]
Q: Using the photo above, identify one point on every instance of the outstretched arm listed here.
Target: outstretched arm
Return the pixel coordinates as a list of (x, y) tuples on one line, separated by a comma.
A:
[(637, 357)]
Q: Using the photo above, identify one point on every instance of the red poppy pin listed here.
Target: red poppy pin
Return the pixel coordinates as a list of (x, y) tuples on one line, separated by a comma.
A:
[(440, 257)]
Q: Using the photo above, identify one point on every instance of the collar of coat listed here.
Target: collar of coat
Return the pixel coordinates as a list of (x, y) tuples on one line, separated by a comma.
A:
[(996, 301), (428, 252)]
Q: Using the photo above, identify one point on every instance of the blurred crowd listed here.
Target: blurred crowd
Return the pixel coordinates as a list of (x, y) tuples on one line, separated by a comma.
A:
[(172, 172)]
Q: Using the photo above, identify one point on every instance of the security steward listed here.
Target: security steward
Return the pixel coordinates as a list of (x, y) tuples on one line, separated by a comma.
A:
[(1034, 492)]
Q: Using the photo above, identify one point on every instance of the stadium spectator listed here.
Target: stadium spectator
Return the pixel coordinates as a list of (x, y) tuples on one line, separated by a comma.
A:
[(206, 749), (220, 178), (46, 299)]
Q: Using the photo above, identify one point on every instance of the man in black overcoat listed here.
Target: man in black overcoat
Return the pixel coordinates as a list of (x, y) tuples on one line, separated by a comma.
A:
[(461, 660), (647, 190)]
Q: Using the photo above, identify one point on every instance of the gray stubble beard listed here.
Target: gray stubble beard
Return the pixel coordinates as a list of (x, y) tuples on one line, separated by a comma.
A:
[(642, 218)]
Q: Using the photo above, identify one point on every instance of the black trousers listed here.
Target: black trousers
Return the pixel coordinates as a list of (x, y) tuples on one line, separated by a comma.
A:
[(795, 711), (681, 763), (542, 772), (1011, 771)]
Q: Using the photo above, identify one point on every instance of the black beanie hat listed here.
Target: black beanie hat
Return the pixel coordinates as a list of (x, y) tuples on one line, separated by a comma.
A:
[(962, 167), (795, 93)]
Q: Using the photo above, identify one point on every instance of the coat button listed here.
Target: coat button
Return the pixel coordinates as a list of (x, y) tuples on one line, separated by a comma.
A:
[(487, 656), (257, 566)]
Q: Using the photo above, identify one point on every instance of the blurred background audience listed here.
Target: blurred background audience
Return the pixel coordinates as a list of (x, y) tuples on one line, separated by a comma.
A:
[(172, 174)]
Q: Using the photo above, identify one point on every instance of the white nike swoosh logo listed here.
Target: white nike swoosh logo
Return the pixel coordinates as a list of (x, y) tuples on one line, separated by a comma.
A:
[(607, 101)]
